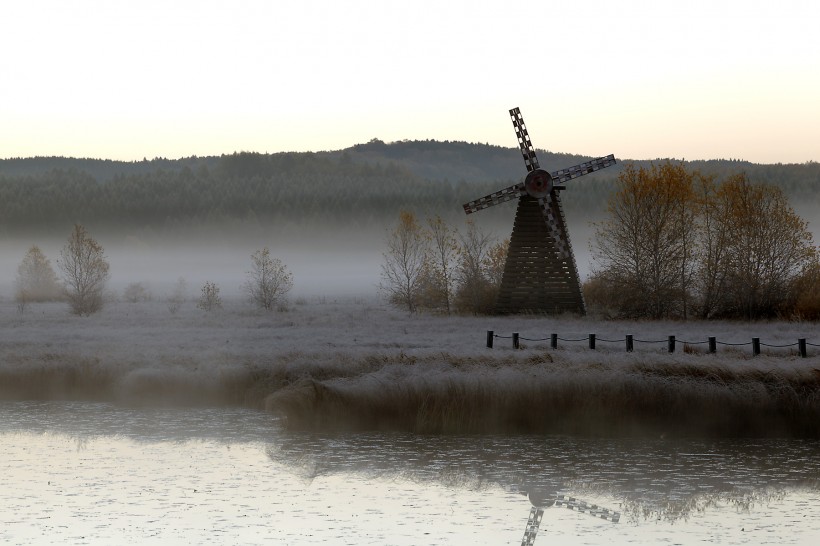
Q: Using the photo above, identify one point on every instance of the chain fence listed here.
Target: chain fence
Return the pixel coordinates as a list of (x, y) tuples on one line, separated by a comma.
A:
[(671, 342)]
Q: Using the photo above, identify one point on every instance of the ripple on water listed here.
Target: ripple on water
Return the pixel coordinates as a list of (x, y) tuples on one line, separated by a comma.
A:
[(101, 474)]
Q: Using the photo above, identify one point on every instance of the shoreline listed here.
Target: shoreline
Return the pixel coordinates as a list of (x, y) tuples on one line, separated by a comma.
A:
[(352, 364)]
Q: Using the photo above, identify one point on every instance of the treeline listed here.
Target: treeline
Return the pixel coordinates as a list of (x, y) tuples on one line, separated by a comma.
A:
[(294, 188), (428, 159), (359, 187), (364, 186), (678, 243)]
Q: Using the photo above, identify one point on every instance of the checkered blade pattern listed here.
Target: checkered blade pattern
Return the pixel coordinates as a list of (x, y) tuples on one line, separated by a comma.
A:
[(591, 509), (495, 198), (527, 151), (536, 514), (564, 175), (549, 208)]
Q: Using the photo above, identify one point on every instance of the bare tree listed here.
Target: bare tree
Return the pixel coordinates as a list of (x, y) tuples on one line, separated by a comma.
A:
[(404, 262), (209, 299), (85, 271), (268, 280), (441, 261), (476, 291), (36, 280)]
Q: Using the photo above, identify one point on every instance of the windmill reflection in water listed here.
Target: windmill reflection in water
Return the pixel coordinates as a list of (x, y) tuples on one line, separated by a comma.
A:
[(541, 502)]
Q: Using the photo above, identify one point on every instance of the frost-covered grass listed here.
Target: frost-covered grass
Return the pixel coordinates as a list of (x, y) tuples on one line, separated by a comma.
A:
[(357, 363)]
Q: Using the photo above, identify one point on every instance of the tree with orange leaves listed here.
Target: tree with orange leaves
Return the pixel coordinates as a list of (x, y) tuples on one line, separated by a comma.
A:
[(767, 248), (645, 248), (677, 241)]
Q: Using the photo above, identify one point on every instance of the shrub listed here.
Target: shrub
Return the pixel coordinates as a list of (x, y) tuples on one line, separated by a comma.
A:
[(36, 280), (136, 292), (268, 280), (209, 299)]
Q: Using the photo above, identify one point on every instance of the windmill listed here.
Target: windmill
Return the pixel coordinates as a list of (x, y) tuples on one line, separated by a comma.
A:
[(539, 503), (540, 274)]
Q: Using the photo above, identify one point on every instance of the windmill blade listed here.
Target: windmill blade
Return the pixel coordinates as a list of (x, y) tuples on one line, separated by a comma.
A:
[(549, 209), (495, 198), (591, 509), (527, 151), (537, 514), (559, 177), (534, 521)]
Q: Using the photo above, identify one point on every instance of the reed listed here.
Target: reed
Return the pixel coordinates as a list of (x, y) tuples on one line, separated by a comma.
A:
[(449, 397), (520, 392)]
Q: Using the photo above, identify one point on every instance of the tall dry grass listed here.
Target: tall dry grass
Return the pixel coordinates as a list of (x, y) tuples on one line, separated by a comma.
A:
[(443, 393), (168, 379), (447, 395)]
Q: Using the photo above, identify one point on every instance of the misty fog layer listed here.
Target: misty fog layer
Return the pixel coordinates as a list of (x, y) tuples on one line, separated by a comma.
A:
[(325, 215)]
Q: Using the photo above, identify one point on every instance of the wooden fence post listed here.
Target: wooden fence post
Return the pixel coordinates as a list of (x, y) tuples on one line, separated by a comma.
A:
[(801, 343)]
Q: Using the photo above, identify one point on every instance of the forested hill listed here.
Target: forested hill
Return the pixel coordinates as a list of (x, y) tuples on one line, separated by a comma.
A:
[(429, 159), (361, 187)]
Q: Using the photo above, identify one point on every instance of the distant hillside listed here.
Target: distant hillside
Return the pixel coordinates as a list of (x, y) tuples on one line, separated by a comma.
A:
[(429, 159), (101, 170), (361, 187), (455, 161)]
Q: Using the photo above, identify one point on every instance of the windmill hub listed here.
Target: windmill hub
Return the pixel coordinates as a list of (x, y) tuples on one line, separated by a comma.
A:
[(538, 183), (541, 499)]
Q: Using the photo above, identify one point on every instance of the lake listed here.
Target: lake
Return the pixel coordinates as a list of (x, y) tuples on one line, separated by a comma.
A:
[(100, 473)]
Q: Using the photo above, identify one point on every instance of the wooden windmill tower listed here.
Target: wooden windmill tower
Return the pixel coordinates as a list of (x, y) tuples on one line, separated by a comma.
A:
[(540, 274)]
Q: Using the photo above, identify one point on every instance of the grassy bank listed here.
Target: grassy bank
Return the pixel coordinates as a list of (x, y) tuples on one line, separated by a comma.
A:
[(354, 365)]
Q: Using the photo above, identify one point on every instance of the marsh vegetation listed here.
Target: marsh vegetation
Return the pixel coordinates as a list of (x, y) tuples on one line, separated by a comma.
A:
[(355, 364)]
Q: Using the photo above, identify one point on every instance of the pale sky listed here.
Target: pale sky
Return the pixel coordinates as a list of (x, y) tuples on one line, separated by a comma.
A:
[(693, 79)]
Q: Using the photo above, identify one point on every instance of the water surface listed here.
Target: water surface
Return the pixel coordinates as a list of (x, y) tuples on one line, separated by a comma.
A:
[(87, 473)]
